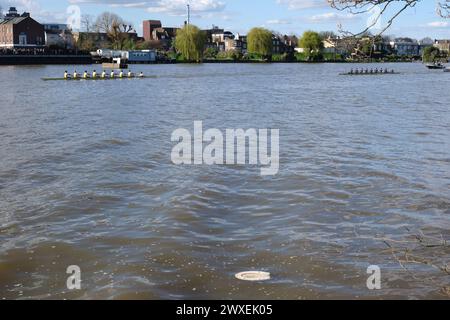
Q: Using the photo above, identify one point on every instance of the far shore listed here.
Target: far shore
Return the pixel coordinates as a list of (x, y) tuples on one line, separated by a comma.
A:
[(87, 60)]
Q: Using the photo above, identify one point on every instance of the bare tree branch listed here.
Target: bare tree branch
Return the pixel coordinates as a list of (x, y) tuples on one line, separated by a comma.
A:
[(365, 6)]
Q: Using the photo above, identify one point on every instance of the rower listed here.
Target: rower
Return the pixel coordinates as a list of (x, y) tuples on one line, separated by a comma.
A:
[(121, 74), (94, 74), (103, 74), (85, 75), (130, 74), (141, 75), (75, 74), (66, 75), (112, 74)]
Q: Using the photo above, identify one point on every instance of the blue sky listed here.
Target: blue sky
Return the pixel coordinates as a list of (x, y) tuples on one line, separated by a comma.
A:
[(285, 16)]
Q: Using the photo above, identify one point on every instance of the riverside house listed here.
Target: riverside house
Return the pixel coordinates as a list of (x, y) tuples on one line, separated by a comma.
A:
[(443, 45), (58, 35), (157, 35), (405, 47), (21, 32)]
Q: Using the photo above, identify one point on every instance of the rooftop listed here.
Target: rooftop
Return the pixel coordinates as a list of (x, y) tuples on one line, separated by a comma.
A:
[(13, 20), (153, 21)]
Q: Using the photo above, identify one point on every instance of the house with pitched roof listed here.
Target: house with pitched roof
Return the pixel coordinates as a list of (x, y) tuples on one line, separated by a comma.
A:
[(21, 31)]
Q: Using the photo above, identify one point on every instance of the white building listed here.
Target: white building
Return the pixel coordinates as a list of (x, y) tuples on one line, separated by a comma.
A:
[(221, 36), (109, 54), (405, 47), (134, 56), (58, 35)]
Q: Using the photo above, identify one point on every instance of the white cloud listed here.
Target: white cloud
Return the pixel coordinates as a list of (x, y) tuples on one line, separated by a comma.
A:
[(34, 8), (330, 16), (171, 7), (303, 4), (438, 24), (278, 21)]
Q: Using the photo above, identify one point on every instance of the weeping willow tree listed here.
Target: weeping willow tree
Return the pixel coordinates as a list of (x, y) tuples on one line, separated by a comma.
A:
[(190, 42), (312, 44), (259, 41)]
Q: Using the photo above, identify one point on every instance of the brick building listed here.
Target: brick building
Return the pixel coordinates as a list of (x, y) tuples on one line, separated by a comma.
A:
[(21, 31), (148, 27)]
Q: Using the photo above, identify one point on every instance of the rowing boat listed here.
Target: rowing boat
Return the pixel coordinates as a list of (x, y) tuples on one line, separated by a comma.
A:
[(367, 74), (97, 78)]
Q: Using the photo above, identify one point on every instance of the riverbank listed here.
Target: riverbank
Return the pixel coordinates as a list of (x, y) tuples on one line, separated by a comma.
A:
[(288, 62), (87, 59)]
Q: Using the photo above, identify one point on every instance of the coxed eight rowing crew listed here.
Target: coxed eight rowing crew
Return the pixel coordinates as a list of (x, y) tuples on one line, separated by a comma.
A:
[(102, 75), (371, 71)]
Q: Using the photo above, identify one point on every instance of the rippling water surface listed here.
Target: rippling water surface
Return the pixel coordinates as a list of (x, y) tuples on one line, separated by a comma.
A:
[(86, 179)]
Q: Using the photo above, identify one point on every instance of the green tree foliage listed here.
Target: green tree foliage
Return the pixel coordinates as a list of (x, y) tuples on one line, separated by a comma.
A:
[(259, 41), (433, 54), (229, 55), (312, 44), (190, 42), (150, 45), (283, 57), (210, 53)]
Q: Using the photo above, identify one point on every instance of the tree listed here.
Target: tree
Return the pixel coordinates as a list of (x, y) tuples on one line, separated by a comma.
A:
[(87, 23), (210, 53), (117, 29), (433, 54), (229, 55), (259, 41), (104, 22), (386, 7), (312, 44), (190, 42), (86, 43), (328, 35), (129, 44)]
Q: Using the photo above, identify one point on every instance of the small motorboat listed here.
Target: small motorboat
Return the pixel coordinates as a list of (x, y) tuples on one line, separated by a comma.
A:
[(435, 66), (447, 70)]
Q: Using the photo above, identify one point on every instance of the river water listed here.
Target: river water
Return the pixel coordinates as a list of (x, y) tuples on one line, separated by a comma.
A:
[(86, 179)]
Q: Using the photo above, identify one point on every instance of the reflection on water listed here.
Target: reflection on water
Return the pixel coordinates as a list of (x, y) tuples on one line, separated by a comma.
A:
[(86, 179)]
